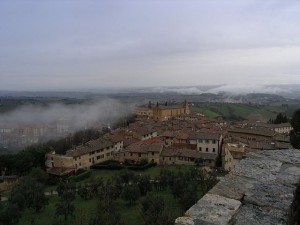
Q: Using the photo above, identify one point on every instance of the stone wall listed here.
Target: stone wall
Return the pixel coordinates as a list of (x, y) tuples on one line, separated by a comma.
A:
[(260, 190)]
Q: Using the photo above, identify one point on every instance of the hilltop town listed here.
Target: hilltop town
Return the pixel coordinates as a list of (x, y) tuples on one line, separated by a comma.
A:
[(172, 135)]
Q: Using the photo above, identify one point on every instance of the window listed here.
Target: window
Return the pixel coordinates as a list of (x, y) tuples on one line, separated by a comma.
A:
[(206, 149), (90, 160), (170, 158), (200, 149), (206, 141), (214, 150), (214, 141), (140, 155), (98, 157), (152, 153), (130, 154), (80, 164)]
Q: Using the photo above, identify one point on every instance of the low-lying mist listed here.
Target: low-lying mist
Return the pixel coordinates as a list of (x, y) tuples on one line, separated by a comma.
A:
[(27, 124)]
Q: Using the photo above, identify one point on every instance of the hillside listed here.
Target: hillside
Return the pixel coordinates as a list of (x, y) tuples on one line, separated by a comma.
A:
[(239, 111)]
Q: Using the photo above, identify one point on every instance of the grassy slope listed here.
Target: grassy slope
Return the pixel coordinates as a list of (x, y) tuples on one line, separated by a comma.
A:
[(245, 111)]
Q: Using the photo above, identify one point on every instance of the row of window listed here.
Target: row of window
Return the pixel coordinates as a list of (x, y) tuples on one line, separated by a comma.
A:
[(206, 149), (79, 165), (101, 150), (207, 141), (101, 156), (186, 158), (147, 135), (139, 154), (77, 158)]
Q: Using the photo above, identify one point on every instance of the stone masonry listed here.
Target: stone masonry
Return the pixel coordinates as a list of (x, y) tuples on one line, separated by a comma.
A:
[(260, 190)]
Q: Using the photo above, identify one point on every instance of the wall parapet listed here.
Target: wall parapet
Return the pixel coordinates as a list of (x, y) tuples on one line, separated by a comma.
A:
[(260, 190)]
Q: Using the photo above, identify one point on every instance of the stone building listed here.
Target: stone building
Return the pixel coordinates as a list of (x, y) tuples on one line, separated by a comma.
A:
[(144, 111), (282, 128), (82, 156), (148, 150), (176, 156), (254, 134), (232, 155), (163, 113)]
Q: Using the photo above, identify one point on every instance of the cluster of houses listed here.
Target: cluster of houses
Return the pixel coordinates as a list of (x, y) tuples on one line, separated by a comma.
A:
[(14, 137), (171, 135)]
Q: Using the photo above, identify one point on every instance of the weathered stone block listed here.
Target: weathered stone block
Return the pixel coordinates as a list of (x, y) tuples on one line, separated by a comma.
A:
[(273, 194), (233, 186), (213, 209), (262, 169), (289, 174), (291, 156), (254, 215), (264, 183)]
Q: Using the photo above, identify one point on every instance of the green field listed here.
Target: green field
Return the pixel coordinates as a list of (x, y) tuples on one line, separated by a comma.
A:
[(238, 111), (85, 209)]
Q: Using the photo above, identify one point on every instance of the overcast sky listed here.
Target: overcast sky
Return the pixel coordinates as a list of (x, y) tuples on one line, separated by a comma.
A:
[(59, 44)]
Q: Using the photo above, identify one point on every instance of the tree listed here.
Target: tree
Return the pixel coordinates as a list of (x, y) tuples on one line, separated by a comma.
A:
[(153, 211), (126, 176), (66, 193), (144, 184), (10, 215), (189, 196), (295, 133), (280, 118), (149, 105), (39, 200), (28, 193), (83, 192), (130, 193), (106, 212)]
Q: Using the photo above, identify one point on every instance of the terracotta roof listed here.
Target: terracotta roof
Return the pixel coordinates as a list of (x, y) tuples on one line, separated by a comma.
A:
[(129, 141), (60, 171), (170, 152), (184, 145), (168, 133), (153, 140), (182, 136), (151, 145), (204, 136), (90, 146), (115, 138), (255, 131)]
